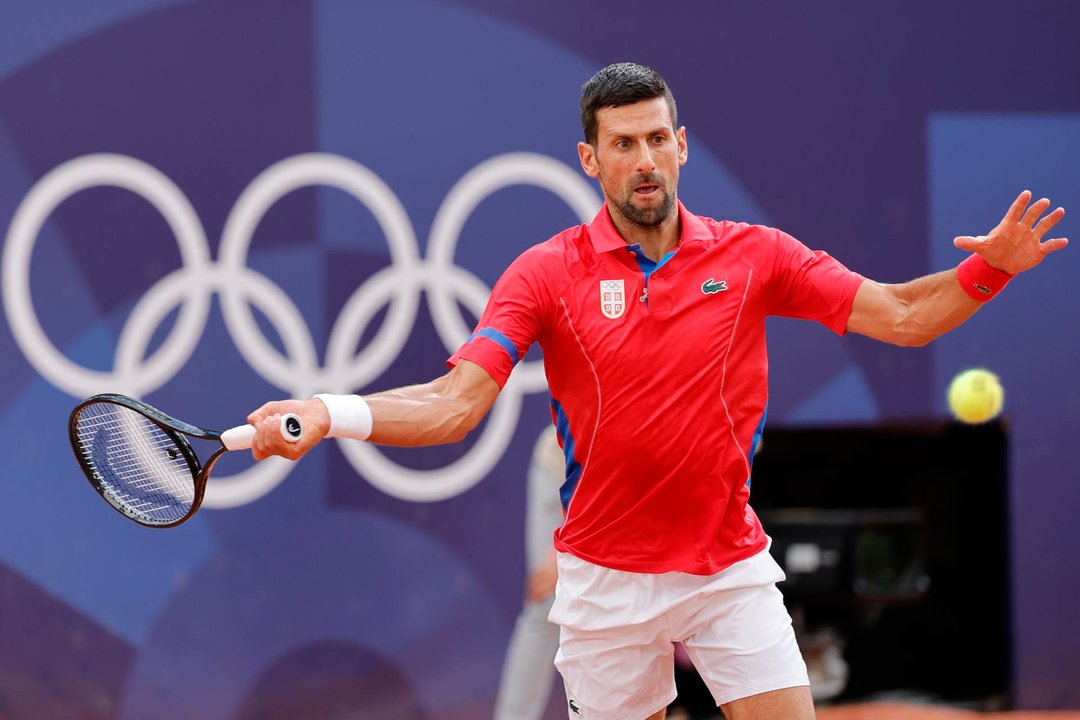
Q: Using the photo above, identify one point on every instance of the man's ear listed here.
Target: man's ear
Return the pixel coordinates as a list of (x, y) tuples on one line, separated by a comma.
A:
[(587, 156), (684, 151)]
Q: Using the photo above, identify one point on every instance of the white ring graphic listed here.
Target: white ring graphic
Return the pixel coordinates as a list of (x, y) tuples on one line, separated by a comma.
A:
[(297, 371), (259, 479), (266, 189), (478, 184), (55, 187)]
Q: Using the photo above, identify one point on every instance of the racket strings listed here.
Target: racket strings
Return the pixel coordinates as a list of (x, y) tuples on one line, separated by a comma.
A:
[(137, 464)]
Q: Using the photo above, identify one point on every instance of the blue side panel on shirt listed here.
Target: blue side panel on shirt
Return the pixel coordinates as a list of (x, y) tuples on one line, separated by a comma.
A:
[(756, 440), (497, 337), (573, 467)]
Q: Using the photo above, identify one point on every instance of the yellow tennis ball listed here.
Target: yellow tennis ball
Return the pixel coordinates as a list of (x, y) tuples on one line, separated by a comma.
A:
[(976, 396)]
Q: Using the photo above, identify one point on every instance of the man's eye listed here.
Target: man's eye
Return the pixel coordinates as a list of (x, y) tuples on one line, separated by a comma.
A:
[(623, 144), (659, 139)]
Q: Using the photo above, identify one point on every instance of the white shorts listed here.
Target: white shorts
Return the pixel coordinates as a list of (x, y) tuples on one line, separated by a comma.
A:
[(617, 629)]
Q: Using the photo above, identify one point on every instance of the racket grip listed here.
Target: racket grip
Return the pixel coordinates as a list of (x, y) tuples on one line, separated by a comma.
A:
[(238, 438), (241, 437)]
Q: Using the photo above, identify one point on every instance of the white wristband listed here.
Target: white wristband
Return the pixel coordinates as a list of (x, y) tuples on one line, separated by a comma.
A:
[(350, 416)]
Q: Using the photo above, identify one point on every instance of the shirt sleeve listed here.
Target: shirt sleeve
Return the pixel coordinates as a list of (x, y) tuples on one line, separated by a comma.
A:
[(512, 320), (811, 285)]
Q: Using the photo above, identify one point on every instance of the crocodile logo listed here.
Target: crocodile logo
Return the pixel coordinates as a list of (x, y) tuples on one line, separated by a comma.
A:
[(710, 286)]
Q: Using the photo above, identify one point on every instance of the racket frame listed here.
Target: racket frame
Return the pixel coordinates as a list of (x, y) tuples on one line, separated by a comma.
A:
[(174, 428)]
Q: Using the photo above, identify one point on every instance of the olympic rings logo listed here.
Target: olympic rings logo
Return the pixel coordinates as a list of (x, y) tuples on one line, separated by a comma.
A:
[(297, 371)]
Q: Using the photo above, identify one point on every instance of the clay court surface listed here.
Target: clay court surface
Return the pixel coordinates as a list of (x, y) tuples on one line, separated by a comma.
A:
[(901, 711)]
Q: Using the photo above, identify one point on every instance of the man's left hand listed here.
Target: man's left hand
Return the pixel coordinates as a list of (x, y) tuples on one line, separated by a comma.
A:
[(1016, 244)]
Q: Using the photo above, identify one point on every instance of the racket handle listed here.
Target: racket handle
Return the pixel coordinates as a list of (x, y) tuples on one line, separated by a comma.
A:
[(241, 437)]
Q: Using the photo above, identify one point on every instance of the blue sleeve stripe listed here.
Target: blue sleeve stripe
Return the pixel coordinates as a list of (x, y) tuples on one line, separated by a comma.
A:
[(500, 339)]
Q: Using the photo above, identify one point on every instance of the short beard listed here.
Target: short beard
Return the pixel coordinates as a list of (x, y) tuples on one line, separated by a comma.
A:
[(646, 218)]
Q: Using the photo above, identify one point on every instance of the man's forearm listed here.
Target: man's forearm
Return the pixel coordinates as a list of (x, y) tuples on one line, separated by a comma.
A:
[(934, 305), (911, 314), (441, 411), (916, 312), (420, 415)]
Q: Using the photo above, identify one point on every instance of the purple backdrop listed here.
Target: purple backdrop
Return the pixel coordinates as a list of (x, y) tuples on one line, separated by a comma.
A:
[(875, 131)]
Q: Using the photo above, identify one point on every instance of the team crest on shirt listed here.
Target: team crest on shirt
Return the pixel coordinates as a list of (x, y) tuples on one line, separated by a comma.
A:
[(612, 298)]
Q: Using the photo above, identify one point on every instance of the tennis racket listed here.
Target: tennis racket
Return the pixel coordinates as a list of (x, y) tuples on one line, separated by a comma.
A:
[(140, 461)]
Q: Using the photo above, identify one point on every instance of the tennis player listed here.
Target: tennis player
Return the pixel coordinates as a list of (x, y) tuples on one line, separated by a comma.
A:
[(652, 323)]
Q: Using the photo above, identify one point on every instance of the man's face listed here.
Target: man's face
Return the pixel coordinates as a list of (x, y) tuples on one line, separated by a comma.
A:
[(637, 158)]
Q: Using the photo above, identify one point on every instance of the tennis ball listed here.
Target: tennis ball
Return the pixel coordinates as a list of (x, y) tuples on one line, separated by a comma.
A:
[(976, 396)]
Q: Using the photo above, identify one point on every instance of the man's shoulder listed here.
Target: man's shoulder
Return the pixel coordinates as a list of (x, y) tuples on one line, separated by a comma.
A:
[(755, 246), (571, 238), (750, 241), (566, 248), (735, 230)]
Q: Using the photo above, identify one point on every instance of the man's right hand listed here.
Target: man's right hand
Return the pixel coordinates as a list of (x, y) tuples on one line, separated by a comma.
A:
[(267, 419), (541, 582)]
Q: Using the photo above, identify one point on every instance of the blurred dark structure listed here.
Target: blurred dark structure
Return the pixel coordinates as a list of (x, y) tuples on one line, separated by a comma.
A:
[(895, 538)]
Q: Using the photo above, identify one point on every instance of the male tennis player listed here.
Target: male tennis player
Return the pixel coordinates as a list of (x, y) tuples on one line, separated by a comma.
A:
[(652, 323)]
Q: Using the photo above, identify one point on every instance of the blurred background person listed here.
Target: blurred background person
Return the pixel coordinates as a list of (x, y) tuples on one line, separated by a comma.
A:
[(529, 669)]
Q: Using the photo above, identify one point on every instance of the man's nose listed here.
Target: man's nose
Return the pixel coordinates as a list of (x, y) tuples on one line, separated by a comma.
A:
[(644, 163)]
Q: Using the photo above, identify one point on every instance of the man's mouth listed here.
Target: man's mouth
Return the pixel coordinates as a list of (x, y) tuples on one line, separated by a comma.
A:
[(646, 190)]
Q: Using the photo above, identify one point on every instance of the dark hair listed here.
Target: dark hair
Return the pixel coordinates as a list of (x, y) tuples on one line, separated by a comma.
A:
[(621, 84)]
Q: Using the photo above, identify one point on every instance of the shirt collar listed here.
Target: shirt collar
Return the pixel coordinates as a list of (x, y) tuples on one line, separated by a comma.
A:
[(606, 238)]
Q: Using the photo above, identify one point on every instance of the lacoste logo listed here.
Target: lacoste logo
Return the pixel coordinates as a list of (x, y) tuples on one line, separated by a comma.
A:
[(711, 286), (574, 708), (982, 288)]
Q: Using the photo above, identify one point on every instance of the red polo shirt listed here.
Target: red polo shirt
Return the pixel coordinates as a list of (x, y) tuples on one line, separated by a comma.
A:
[(657, 373)]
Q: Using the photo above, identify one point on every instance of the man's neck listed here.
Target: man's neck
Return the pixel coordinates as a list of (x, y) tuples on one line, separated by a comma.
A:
[(655, 242)]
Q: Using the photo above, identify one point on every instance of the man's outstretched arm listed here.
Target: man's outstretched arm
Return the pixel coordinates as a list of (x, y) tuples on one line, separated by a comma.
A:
[(916, 312), (441, 411)]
